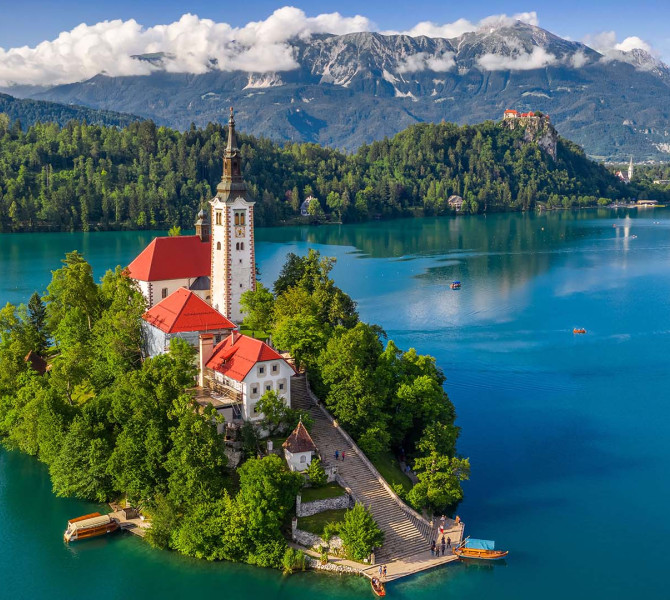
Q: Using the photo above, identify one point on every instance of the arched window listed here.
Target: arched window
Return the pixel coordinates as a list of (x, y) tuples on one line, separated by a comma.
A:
[(242, 246), (218, 245), (237, 246), (237, 218)]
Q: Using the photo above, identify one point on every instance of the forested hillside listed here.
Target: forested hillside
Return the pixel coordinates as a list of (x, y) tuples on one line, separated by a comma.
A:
[(83, 176), (29, 112)]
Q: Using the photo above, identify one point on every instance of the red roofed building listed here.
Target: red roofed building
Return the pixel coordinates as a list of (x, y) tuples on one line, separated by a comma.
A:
[(299, 449), (170, 263), (182, 314), (242, 369), (511, 114)]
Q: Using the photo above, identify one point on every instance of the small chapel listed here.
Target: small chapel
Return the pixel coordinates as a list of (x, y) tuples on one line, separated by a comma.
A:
[(193, 285)]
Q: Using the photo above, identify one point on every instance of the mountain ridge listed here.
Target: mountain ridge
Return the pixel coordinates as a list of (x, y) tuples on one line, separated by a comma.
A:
[(354, 88)]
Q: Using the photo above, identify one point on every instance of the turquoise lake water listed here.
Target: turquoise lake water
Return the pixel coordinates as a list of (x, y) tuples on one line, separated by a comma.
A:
[(567, 435)]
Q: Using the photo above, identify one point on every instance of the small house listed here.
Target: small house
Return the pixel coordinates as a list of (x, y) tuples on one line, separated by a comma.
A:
[(304, 207), (455, 203), (299, 449)]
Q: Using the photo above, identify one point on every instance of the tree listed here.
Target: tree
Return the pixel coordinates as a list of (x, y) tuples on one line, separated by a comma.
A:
[(439, 484), (37, 316), (175, 231), (316, 474), (375, 441), (258, 307), (359, 532)]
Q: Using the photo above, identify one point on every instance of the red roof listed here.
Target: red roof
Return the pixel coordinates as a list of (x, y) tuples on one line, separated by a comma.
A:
[(511, 111), (185, 311), (180, 257), (236, 359), (299, 440)]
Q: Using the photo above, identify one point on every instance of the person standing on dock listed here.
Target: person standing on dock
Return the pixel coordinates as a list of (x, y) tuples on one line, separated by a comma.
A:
[(384, 571), (444, 545), (432, 548), (449, 542), (380, 571)]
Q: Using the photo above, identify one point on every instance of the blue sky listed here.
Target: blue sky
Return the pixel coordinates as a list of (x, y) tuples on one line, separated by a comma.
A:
[(29, 22)]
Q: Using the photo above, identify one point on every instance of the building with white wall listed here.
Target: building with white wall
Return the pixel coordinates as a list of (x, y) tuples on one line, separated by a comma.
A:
[(185, 315), (299, 449), (239, 370), (233, 267)]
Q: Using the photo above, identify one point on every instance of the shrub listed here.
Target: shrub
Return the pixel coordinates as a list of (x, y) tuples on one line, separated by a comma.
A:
[(359, 533), (317, 474), (293, 559)]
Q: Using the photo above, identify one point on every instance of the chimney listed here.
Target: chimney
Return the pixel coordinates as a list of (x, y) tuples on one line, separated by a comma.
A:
[(233, 336), (206, 351)]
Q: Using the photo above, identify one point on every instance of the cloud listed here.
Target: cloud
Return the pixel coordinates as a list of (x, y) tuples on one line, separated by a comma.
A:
[(461, 26), (190, 45), (518, 61), (423, 61), (578, 59), (606, 43)]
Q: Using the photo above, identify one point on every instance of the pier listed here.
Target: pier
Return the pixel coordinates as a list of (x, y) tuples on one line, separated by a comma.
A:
[(407, 534), (129, 520)]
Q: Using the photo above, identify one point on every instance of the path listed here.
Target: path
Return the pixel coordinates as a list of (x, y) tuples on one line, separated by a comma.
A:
[(407, 534)]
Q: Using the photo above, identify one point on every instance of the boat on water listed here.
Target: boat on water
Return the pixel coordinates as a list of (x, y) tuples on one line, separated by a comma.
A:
[(479, 549), (378, 587), (455, 285), (91, 525), (579, 330)]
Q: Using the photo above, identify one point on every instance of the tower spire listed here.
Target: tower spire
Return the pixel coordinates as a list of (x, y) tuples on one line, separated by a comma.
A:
[(231, 179), (630, 169)]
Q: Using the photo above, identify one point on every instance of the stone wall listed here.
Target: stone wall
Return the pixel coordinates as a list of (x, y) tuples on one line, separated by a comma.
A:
[(311, 540), (307, 509), (315, 564)]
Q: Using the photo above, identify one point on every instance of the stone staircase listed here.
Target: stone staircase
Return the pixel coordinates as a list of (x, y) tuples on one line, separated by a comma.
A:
[(406, 532)]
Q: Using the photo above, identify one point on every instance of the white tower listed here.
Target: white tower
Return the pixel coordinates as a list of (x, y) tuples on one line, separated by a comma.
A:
[(630, 170), (233, 264)]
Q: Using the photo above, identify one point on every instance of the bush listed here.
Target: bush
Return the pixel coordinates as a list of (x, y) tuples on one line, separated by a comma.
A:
[(317, 474), (293, 559), (359, 533)]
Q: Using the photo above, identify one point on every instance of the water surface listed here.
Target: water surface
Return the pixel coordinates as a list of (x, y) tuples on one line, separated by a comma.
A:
[(567, 434)]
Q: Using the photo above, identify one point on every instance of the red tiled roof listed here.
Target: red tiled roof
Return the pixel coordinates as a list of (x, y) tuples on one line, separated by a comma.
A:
[(299, 440), (236, 359), (511, 111), (180, 257), (185, 311)]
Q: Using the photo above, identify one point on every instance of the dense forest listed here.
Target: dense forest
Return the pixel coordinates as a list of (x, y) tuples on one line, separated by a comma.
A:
[(83, 176)]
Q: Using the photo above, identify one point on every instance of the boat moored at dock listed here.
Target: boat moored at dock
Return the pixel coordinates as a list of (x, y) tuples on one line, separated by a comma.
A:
[(91, 525), (579, 330), (479, 549)]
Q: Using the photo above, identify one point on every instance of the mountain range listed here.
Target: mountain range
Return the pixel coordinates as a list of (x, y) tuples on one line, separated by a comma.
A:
[(352, 89)]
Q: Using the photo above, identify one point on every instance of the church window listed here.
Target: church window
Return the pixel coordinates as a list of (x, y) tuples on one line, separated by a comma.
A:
[(268, 387), (254, 389), (237, 218), (240, 261), (241, 245), (281, 387), (218, 217), (218, 245), (164, 292), (241, 285), (303, 459), (240, 218), (261, 370)]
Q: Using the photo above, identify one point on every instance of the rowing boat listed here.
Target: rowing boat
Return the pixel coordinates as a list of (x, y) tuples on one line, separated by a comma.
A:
[(378, 587)]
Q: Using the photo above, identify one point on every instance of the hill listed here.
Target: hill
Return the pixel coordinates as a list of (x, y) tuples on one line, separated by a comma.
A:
[(356, 88), (141, 176), (33, 111)]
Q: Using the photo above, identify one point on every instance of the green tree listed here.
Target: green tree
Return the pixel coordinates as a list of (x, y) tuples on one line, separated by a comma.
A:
[(440, 479), (316, 474), (37, 317), (175, 231), (359, 532), (258, 307)]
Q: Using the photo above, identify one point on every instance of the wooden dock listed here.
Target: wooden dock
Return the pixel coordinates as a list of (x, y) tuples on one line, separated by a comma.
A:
[(136, 526)]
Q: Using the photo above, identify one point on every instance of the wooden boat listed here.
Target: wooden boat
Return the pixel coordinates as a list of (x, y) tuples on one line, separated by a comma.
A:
[(87, 526), (378, 587), (579, 330), (455, 285), (479, 549)]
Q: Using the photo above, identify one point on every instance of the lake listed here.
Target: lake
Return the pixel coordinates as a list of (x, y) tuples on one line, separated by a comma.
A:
[(567, 435)]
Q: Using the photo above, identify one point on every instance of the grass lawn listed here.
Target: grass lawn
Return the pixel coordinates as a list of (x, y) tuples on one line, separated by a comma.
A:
[(317, 522), (390, 470), (330, 490)]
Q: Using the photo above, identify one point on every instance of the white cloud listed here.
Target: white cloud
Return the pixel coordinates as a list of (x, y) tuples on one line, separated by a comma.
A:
[(606, 43), (578, 59), (518, 61), (423, 61), (190, 45), (461, 26)]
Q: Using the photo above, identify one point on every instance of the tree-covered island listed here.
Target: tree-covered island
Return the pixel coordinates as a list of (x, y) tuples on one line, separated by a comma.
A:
[(78, 393)]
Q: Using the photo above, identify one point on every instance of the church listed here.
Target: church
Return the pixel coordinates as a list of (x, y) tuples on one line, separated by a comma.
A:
[(193, 286)]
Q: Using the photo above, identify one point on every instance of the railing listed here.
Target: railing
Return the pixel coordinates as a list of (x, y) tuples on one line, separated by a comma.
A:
[(424, 527), (222, 389)]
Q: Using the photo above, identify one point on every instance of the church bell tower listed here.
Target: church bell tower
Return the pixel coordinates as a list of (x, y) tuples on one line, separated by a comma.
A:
[(232, 234)]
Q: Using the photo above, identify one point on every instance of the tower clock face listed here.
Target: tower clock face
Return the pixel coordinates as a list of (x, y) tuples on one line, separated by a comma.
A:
[(239, 232)]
